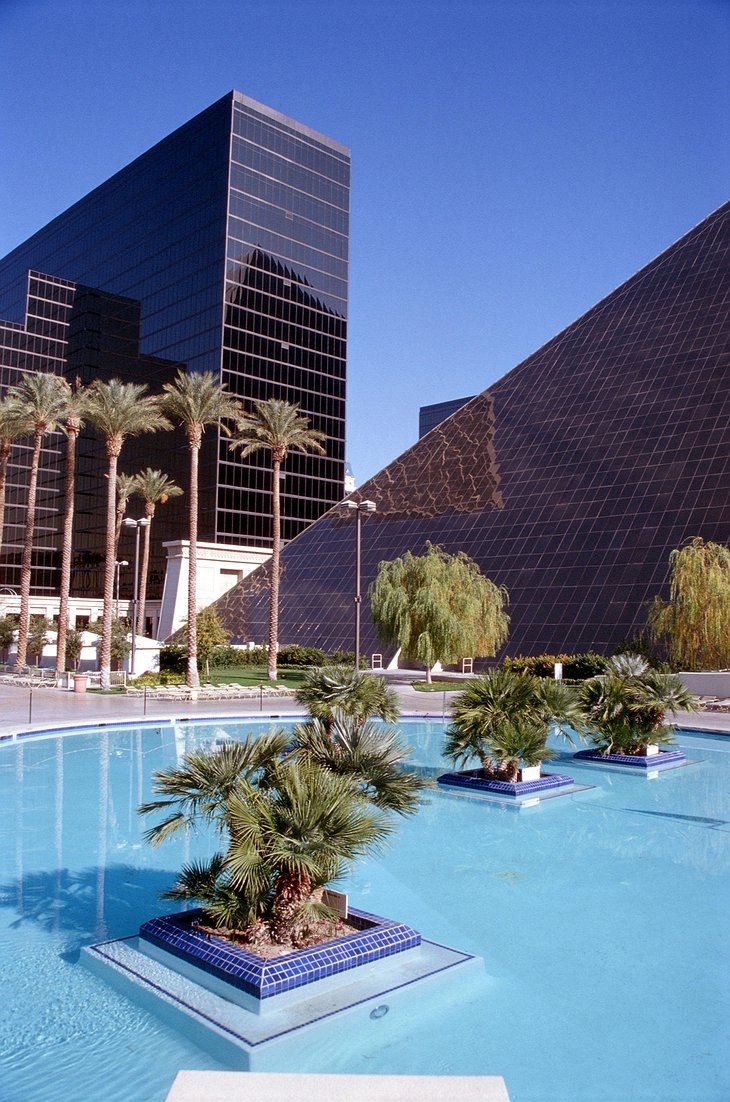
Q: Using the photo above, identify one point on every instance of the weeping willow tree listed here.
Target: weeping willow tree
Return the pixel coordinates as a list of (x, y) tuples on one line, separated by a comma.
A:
[(694, 624), (438, 607)]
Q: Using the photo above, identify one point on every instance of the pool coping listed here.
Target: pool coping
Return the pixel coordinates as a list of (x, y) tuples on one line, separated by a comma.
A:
[(113, 722)]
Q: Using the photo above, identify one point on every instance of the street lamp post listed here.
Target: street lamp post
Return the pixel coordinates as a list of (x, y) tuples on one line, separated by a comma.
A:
[(119, 563), (359, 508), (136, 524)]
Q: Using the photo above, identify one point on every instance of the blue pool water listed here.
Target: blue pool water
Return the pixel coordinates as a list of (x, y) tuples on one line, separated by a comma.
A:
[(601, 919)]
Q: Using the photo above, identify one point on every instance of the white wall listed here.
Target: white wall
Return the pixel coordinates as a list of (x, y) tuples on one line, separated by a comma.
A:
[(220, 567)]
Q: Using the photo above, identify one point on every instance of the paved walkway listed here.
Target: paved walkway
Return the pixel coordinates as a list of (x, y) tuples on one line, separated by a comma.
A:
[(22, 709)]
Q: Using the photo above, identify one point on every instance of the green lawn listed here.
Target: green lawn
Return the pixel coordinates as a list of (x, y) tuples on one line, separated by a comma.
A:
[(254, 675), (438, 686)]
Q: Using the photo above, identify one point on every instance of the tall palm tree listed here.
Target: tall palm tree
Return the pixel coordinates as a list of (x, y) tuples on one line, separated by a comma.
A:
[(196, 400), (44, 399), (13, 424), (126, 486), (118, 410), (155, 488), (279, 426), (74, 422)]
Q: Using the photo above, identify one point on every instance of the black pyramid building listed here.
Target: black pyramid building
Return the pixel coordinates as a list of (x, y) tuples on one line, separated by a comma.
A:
[(569, 482)]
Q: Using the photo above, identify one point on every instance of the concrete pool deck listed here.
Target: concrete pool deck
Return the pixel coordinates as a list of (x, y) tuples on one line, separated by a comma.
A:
[(23, 709)]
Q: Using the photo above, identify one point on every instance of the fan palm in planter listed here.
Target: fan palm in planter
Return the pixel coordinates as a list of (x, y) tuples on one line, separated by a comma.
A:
[(626, 706), (328, 689), (342, 736), (290, 827), (371, 755), (503, 720)]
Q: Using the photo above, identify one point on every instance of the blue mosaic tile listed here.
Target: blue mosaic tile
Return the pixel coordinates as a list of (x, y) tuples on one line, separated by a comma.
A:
[(472, 779), (656, 761), (373, 939)]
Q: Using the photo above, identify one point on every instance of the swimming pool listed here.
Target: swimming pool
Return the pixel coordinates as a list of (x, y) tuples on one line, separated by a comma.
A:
[(600, 918)]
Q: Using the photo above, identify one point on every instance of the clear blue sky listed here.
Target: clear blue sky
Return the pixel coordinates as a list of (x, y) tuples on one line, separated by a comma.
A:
[(513, 161)]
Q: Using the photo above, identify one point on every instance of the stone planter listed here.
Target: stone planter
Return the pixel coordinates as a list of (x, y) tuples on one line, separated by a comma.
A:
[(530, 772), (373, 938)]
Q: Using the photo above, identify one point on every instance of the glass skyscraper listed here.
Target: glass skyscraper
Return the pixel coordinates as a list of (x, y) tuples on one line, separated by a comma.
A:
[(230, 241)]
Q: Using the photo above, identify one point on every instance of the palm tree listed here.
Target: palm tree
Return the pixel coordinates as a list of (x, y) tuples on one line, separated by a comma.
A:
[(287, 837), (196, 400), (277, 425), (626, 707), (13, 424), (43, 399), (118, 410), (370, 754), (74, 422), (327, 689), (155, 488), (197, 792), (503, 719), (125, 487)]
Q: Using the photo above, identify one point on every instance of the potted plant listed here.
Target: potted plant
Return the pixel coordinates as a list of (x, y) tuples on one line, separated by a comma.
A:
[(626, 708), (292, 816), (503, 720)]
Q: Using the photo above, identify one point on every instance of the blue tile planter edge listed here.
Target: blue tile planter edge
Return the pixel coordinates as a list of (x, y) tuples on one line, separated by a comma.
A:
[(472, 779), (375, 939), (639, 761)]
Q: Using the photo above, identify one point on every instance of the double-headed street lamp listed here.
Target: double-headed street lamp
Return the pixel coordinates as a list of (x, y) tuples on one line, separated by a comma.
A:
[(143, 522), (359, 508)]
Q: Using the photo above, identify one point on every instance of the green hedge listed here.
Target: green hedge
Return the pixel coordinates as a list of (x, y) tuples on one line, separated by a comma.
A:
[(173, 657), (576, 667)]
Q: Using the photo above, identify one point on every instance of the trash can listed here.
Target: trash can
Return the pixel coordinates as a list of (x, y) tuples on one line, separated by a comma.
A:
[(81, 682)]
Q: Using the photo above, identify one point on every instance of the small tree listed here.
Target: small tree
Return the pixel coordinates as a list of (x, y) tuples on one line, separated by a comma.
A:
[(74, 646), (438, 607), (120, 645), (211, 634), (8, 627), (694, 624), (38, 628)]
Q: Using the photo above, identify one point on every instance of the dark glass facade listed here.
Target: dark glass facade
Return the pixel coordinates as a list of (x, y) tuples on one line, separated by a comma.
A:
[(570, 482), (431, 416), (82, 333), (229, 241)]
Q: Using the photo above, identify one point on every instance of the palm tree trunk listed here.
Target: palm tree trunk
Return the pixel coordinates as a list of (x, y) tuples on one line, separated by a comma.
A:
[(113, 449), (4, 460), (25, 567), (72, 432), (193, 678), (149, 511), (275, 556), (120, 508), (291, 891)]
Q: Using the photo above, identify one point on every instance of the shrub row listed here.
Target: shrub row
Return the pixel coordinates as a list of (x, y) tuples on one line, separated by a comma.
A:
[(173, 657), (576, 667)]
